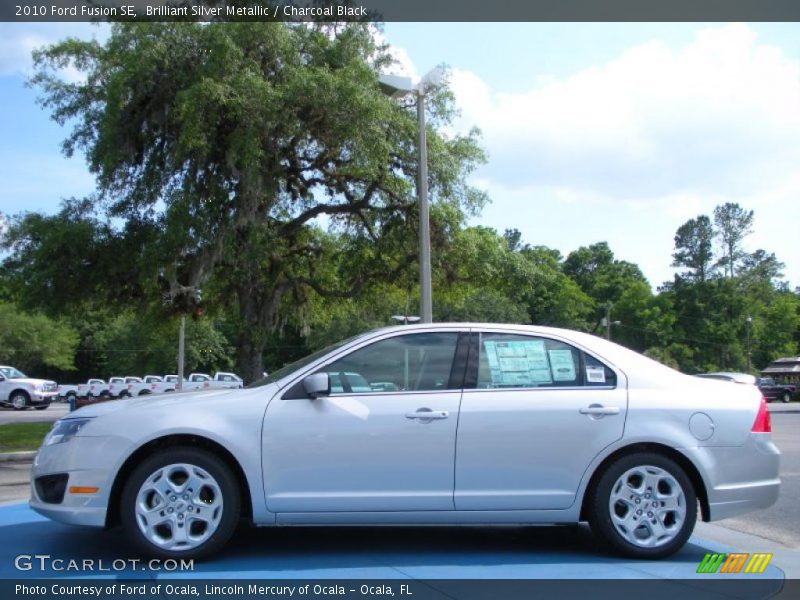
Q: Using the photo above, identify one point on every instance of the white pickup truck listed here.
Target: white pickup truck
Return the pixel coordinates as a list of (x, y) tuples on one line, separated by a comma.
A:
[(66, 392), (151, 384), (120, 387), (21, 392), (204, 381)]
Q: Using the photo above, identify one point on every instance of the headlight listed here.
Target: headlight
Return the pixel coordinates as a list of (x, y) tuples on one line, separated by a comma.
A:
[(64, 430)]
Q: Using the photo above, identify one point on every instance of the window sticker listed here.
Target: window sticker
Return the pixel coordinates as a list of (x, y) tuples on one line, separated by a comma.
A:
[(517, 364), (595, 374), (563, 365)]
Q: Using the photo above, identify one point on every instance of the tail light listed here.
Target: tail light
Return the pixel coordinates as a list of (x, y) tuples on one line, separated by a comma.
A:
[(762, 424)]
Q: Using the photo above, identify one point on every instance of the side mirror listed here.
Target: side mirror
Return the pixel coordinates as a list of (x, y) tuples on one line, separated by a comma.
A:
[(316, 385), (2, 377)]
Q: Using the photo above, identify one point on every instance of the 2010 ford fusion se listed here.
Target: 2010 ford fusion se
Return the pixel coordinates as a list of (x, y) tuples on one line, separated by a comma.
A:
[(457, 424)]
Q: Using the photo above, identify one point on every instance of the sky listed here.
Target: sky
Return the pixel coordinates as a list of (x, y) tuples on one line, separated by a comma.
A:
[(594, 132)]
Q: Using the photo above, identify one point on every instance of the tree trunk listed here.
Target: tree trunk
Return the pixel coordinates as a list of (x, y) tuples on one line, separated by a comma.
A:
[(250, 363)]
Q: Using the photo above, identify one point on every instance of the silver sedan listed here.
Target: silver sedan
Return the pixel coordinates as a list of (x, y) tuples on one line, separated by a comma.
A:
[(457, 424)]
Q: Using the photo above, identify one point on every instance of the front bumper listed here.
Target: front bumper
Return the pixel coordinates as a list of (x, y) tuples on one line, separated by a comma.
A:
[(42, 398), (87, 462), (739, 479)]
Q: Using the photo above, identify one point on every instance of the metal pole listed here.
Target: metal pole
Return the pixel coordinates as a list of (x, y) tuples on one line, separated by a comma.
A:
[(747, 327), (426, 306), (179, 385), (608, 321)]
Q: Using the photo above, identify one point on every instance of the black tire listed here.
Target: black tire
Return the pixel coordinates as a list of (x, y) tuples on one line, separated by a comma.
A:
[(786, 397), (19, 400), (228, 486), (599, 510)]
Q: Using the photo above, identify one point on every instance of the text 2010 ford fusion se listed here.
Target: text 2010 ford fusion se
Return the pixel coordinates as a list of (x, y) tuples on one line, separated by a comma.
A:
[(447, 424)]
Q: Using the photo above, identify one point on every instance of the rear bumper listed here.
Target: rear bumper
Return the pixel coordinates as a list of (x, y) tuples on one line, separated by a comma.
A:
[(739, 479)]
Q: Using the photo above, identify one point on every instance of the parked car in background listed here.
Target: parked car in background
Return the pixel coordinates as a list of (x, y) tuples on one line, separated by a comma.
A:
[(20, 392), (124, 389), (776, 391), (733, 377), (458, 424)]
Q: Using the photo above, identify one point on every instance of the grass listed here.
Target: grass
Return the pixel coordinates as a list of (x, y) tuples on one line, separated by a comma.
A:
[(16, 437)]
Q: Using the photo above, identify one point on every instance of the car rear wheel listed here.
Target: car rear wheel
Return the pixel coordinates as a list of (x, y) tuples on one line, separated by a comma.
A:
[(179, 503), (786, 397), (19, 401), (643, 506)]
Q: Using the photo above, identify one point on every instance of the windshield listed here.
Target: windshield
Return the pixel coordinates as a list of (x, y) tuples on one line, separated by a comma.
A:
[(12, 373), (299, 364)]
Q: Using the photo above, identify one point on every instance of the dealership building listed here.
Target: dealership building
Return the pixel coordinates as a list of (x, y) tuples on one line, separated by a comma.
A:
[(784, 369)]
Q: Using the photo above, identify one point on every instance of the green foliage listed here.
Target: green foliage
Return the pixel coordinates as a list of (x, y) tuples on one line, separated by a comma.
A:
[(263, 163), (222, 143), (131, 344), (734, 223), (693, 248), (31, 342)]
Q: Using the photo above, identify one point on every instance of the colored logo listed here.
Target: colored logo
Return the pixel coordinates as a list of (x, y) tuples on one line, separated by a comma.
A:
[(736, 562)]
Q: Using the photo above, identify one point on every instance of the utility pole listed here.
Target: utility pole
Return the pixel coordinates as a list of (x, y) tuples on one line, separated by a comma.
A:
[(747, 321), (425, 299), (181, 353), (608, 321)]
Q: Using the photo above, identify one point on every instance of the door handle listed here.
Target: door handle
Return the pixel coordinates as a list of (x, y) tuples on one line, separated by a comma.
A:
[(426, 414), (599, 409)]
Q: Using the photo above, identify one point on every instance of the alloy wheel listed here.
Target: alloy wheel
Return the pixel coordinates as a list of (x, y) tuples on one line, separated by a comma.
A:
[(647, 506), (179, 507)]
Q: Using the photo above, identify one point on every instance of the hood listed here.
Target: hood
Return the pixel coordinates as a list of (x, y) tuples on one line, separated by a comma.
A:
[(161, 401), (31, 381)]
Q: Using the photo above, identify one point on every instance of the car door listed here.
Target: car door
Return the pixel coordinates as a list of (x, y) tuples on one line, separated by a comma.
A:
[(383, 440), (5, 388), (534, 414)]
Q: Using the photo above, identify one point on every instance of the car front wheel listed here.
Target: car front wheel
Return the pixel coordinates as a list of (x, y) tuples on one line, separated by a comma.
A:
[(19, 400), (643, 506), (786, 397), (181, 503)]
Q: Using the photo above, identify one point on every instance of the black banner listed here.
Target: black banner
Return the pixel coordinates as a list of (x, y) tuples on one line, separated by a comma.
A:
[(715, 587), (400, 10)]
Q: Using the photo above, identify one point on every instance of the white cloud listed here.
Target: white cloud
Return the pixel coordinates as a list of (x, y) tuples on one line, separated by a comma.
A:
[(628, 150), (719, 115)]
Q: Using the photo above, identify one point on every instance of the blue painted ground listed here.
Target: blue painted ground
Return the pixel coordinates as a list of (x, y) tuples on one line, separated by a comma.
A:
[(360, 553)]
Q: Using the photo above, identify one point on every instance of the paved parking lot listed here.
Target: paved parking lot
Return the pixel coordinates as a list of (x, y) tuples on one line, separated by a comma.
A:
[(51, 413)]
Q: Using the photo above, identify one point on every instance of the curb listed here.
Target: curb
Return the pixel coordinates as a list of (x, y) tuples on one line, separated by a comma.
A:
[(17, 456)]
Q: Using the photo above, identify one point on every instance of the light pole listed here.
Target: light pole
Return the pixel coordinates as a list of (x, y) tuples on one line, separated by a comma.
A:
[(747, 321), (607, 322), (197, 296), (397, 87)]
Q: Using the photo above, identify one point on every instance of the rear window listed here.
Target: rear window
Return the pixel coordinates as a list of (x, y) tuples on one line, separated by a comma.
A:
[(521, 361)]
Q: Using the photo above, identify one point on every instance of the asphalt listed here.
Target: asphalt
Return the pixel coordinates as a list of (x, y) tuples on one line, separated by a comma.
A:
[(51, 413)]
